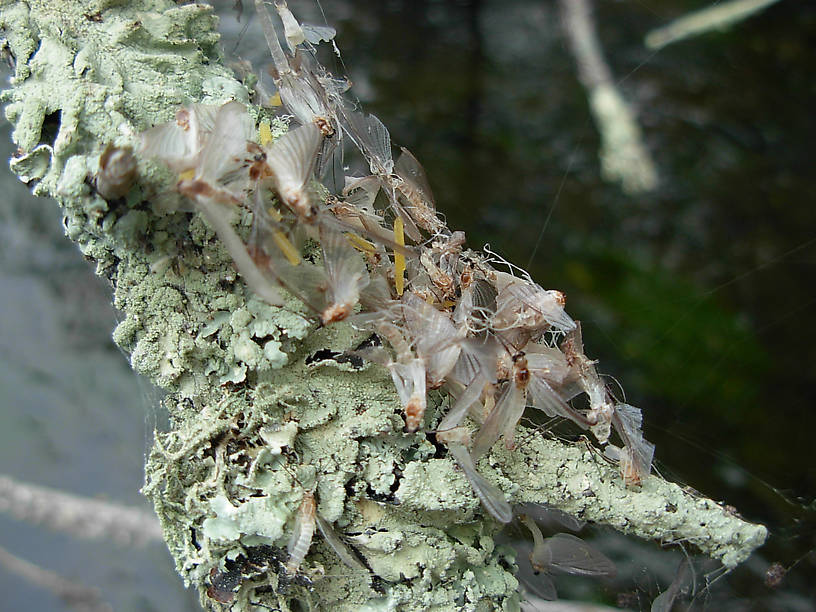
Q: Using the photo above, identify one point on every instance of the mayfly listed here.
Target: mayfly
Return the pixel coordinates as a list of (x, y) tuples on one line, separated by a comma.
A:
[(208, 146), (565, 553), (522, 306), (414, 187), (221, 169), (407, 372), (434, 337), (302, 91), (299, 33), (552, 382), (300, 541), (332, 290), (601, 408), (179, 143), (507, 412), (371, 137)]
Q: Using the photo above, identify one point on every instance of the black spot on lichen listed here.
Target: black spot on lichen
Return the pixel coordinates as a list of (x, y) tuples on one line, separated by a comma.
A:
[(328, 355), (50, 127)]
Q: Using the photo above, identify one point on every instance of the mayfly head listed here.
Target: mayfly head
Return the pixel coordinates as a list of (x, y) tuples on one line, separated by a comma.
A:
[(324, 126), (521, 373)]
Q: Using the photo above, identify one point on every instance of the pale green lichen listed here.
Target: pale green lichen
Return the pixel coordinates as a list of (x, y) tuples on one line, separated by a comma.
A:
[(261, 411)]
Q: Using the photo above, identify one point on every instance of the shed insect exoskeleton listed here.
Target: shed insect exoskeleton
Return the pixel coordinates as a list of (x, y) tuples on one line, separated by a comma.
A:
[(372, 138), (208, 145), (302, 532), (221, 171), (602, 410), (346, 275), (636, 456), (337, 544), (407, 373), (434, 337), (523, 305)]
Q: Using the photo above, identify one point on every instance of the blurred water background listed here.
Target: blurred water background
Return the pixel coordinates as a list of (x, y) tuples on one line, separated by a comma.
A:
[(698, 297)]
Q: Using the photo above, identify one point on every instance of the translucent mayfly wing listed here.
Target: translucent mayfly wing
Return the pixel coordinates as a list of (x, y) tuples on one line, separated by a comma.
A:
[(361, 191), (316, 34), (225, 158), (636, 460), (433, 334), (409, 169), (492, 498), (346, 274), (268, 27), (569, 554), (178, 143), (337, 545), (544, 397), (254, 275), (417, 192), (373, 140), (543, 513), (291, 159), (306, 99), (523, 305), (683, 583), (466, 399), (502, 420)]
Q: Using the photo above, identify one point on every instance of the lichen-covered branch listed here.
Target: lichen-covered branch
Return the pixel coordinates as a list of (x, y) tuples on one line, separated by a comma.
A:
[(76, 596), (624, 156), (79, 517), (266, 407), (718, 16)]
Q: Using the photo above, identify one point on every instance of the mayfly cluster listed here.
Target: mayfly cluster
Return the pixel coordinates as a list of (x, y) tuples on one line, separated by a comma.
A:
[(494, 340)]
